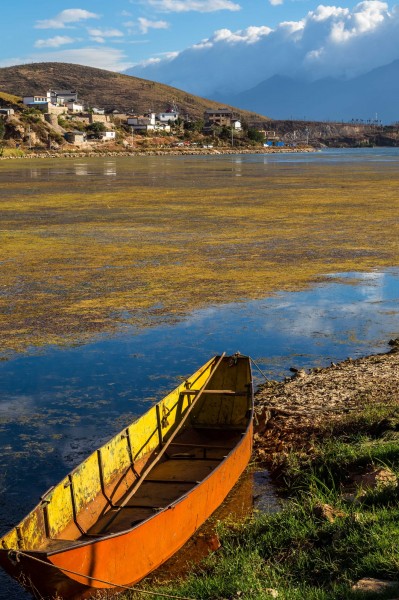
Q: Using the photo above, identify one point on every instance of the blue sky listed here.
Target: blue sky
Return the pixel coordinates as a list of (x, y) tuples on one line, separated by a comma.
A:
[(118, 34), (211, 48)]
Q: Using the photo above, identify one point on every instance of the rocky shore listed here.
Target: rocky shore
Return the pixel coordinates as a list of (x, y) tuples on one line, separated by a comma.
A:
[(289, 415)]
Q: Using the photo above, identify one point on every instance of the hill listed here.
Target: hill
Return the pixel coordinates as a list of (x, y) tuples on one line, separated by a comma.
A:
[(105, 89)]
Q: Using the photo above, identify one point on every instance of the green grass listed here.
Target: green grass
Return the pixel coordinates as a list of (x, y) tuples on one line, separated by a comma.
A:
[(298, 552)]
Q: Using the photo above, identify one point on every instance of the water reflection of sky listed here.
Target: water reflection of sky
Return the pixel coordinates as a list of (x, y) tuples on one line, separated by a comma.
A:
[(185, 170), (57, 405)]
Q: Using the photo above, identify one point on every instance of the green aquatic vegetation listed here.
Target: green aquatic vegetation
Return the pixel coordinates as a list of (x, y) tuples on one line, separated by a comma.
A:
[(79, 261)]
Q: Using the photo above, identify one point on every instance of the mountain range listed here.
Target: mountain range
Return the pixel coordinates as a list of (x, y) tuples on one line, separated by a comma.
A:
[(371, 96)]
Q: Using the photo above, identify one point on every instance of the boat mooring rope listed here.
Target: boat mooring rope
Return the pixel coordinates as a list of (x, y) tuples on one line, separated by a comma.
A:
[(16, 553), (259, 369)]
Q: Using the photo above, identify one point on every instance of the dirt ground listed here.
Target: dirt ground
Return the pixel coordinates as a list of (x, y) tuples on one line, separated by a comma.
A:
[(289, 415)]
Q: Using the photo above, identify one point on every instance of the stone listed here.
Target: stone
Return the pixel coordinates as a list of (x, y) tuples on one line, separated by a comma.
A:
[(272, 592), (369, 585), (327, 513), (377, 479), (351, 498), (300, 374)]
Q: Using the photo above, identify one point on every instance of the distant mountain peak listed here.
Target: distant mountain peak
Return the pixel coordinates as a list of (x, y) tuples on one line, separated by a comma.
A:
[(282, 97)]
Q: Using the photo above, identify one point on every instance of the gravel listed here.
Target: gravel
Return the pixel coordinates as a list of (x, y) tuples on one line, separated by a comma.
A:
[(290, 414)]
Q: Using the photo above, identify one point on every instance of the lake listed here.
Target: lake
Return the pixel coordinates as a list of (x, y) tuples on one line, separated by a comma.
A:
[(61, 399)]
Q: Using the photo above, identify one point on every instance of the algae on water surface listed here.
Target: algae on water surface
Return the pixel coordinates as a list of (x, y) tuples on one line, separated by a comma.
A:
[(84, 255)]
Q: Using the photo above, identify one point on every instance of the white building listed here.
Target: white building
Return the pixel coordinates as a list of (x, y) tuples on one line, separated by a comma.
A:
[(148, 119), (108, 135), (148, 123), (142, 123), (56, 97), (34, 100), (62, 96), (7, 111), (75, 107), (165, 117)]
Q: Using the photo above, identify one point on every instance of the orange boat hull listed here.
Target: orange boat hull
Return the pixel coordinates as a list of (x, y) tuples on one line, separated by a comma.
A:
[(127, 558), (119, 560)]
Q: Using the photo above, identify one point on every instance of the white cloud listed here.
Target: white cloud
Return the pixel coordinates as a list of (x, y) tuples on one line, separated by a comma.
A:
[(55, 42), (324, 13), (276, 2), (105, 57), (247, 36), (65, 19), (193, 5), (100, 35), (145, 25), (164, 57), (108, 33), (151, 61), (329, 41)]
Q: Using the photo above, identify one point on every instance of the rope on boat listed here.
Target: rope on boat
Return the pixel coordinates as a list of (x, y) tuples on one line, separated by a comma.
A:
[(259, 369), (16, 553)]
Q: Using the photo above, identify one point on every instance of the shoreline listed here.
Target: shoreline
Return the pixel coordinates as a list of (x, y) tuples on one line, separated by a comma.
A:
[(291, 415), (161, 152)]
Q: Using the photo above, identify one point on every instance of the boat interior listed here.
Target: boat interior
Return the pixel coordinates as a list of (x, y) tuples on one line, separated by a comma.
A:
[(188, 460)]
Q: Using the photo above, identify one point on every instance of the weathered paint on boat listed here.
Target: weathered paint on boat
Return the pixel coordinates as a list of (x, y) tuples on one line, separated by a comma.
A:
[(91, 532)]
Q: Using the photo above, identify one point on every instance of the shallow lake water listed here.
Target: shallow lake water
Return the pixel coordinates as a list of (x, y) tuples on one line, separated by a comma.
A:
[(59, 404)]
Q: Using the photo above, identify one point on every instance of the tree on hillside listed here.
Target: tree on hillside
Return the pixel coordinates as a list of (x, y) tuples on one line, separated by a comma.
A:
[(96, 129), (225, 133), (197, 125), (32, 115), (255, 135)]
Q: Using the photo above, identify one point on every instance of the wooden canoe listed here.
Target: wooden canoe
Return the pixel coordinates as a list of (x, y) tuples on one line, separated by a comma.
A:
[(135, 501)]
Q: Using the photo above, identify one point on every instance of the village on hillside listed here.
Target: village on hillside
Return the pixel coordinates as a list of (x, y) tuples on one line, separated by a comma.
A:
[(58, 118), (58, 121)]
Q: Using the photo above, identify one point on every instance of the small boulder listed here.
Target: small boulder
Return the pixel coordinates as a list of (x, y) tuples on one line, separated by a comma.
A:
[(325, 512), (272, 592), (376, 586), (377, 479)]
